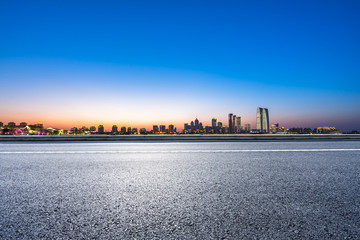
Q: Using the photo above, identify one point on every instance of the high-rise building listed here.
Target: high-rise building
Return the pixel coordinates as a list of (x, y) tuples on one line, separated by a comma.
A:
[(171, 128), (1, 124), (142, 130), (129, 130), (234, 122), (247, 127), (230, 122), (238, 124), (220, 124), (197, 126), (23, 124), (114, 129), (162, 128), (262, 120), (155, 129), (101, 129), (213, 123), (123, 130), (134, 131), (92, 129)]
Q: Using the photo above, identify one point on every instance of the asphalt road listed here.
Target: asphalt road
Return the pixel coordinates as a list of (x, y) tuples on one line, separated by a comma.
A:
[(188, 190)]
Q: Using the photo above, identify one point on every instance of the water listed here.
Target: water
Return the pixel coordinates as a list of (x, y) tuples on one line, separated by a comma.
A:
[(180, 190)]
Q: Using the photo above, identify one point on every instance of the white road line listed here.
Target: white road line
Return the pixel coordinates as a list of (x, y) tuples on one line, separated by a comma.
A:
[(187, 151)]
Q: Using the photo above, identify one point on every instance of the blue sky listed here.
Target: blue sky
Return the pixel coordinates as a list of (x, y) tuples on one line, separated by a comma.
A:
[(144, 62)]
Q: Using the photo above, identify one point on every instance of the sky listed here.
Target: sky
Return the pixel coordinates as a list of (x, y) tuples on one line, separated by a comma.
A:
[(139, 63)]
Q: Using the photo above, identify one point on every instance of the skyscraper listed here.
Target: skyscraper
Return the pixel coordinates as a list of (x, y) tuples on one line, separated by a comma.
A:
[(234, 123), (262, 120), (247, 127), (230, 122), (213, 123), (155, 129), (171, 128), (238, 124), (162, 128)]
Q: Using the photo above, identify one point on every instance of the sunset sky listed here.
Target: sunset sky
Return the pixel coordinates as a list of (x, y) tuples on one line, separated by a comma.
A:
[(139, 63)]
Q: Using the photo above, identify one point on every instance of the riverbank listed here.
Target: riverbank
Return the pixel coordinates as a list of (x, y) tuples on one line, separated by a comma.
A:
[(230, 137)]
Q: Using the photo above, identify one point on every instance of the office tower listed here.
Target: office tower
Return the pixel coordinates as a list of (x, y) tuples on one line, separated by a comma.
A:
[(247, 127), (238, 124), (23, 124), (197, 126), (142, 131), (123, 130), (129, 130), (155, 129), (162, 128), (171, 128), (92, 129), (213, 123), (186, 126), (101, 129), (12, 124), (114, 129), (1, 124), (220, 124), (262, 120), (230, 122), (233, 122), (134, 131)]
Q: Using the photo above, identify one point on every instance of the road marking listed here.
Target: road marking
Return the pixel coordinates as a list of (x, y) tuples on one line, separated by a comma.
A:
[(187, 151)]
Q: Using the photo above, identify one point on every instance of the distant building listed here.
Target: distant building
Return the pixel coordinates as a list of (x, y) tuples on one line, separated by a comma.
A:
[(262, 120), (230, 122), (327, 130), (129, 130), (143, 131), (220, 124), (171, 128), (1, 124), (134, 131), (247, 127), (123, 130), (233, 122), (197, 125), (23, 124), (155, 129), (114, 129), (93, 129), (40, 125), (162, 128), (213, 123), (101, 129), (12, 124), (238, 124)]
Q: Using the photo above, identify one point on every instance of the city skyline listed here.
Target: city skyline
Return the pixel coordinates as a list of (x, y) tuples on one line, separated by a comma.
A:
[(196, 126), (144, 63)]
